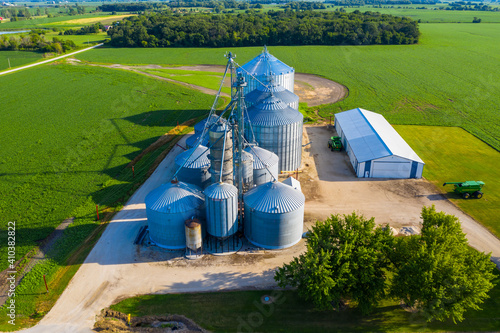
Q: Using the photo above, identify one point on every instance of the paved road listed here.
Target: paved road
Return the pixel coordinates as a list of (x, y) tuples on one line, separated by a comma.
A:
[(49, 60)]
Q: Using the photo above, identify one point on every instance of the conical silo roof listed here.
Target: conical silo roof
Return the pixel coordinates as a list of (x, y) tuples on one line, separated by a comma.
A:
[(221, 191), (193, 139), (274, 198), (265, 64), (193, 158), (198, 128), (176, 197), (262, 157), (272, 111)]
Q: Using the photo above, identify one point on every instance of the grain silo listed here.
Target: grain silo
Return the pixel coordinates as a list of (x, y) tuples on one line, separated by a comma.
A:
[(192, 141), (167, 209), (261, 67), (221, 209), (272, 87), (274, 215), (207, 122), (265, 165), (221, 152), (278, 128), (246, 171), (193, 165)]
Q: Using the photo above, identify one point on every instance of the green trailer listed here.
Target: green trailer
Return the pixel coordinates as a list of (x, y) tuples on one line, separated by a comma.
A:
[(335, 143), (468, 189)]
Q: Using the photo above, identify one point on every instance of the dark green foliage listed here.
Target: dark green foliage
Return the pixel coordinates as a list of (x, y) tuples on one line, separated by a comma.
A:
[(89, 29), (35, 42), (345, 258), (437, 272), (256, 29)]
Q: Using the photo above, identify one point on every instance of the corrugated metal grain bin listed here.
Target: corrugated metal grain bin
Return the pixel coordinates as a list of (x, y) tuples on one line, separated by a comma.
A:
[(167, 208), (264, 65), (247, 171), (263, 92), (221, 151), (265, 165), (274, 215), (278, 128), (194, 165), (193, 139), (221, 209), (198, 128)]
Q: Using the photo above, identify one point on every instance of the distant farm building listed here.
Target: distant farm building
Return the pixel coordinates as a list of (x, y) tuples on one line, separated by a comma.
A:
[(374, 147)]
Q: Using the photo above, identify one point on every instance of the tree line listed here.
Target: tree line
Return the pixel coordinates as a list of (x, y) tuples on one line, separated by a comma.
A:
[(271, 28), (35, 42), (349, 260)]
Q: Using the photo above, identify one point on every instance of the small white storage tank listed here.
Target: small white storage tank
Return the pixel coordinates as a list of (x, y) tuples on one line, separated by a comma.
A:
[(167, 209), (221, 209), (274, 215), (278, 128), (194, 239), (265, 165), (262, 92), (264, 65), (193, 165)]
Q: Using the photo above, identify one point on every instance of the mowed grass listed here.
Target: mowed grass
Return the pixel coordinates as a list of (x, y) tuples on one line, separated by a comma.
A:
[(453, 155), (68, 133), (209, 80), (17, 58), (449, 79), (243, 311)]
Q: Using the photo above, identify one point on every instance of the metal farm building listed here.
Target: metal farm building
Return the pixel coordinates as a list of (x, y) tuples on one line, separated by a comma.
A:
[(374, 147)]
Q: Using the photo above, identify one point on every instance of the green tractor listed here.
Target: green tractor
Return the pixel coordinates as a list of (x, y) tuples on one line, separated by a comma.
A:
[(468, 189), (335, 143)]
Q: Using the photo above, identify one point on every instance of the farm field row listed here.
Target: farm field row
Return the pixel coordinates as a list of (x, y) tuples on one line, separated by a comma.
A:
[(81, 126), (430, 15), (443, 81), (17, 58), (65, 21)]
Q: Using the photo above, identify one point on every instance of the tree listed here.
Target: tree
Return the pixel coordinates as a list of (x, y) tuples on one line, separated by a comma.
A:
[(437, 272), (476, 20), (345, 258)]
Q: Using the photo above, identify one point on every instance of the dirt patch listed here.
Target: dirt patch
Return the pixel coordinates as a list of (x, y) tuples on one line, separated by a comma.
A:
[(114, 321), (315, 90)]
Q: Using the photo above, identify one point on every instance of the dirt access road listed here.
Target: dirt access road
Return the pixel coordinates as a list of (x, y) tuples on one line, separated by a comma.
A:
[(116, 269), (312, 89)]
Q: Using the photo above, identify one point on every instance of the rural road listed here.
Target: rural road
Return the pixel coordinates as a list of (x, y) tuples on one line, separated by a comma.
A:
[(49, 60)]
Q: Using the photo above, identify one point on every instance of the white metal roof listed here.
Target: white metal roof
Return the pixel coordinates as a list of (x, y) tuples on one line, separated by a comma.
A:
[(371, 136)]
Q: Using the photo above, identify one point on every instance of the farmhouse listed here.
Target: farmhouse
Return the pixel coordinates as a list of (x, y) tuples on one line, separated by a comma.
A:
[(374, 147)]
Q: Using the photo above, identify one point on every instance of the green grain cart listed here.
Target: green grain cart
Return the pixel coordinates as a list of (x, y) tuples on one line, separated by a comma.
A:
[(335, 143), (468, 189)]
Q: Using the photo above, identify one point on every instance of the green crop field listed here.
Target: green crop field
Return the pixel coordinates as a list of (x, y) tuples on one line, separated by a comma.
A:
[(431, 14), (68, 133), (17, 58), (453, 155), (243, 311), (59, 21), (203, 79), (449, 79)]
